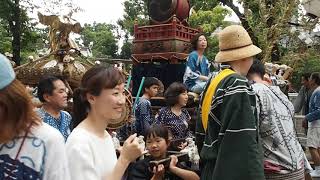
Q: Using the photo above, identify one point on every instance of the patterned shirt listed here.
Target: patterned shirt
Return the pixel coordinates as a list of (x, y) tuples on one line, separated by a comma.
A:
[(195, 67), (282, 150), (62, 123), (143, 114), (178, 125), (42, 156)]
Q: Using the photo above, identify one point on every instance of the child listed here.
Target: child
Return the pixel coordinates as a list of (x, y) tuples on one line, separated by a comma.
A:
[(143, 112), (157, 143)]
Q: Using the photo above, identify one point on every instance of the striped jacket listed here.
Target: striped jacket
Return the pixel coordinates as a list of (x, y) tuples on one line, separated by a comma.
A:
[(231, 148)]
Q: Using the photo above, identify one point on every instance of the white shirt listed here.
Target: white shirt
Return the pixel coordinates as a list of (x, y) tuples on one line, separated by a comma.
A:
[(42, 155), (89, 156)]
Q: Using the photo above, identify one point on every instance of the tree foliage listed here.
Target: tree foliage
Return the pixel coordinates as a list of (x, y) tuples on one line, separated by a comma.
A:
[(103, 39), (134, 11), (126, 50), (208, 20), (15, 17), (204, 5), (5, 38), (269, 23)]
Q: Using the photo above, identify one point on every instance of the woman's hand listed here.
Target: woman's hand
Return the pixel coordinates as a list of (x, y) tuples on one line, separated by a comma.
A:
[(131, 150), (173, 162)]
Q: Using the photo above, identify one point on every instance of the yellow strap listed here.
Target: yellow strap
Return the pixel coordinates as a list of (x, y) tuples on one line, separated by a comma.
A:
[(206, 104)]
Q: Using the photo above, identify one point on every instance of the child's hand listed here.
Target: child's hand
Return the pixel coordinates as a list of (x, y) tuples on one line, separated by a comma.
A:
[(158, 172), (173, 162)]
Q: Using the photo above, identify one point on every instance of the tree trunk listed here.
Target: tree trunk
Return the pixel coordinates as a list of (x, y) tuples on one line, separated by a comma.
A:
[(15, 27)]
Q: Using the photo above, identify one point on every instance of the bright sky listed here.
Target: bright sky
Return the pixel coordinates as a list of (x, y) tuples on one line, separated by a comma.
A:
[(105, 11), (101, 11), (108, 11)]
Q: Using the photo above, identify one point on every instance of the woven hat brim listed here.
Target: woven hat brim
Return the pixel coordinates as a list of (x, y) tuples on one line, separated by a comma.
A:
[(237, 54)]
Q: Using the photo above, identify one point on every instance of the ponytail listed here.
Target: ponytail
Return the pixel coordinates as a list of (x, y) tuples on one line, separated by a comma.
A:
[(80, 107)]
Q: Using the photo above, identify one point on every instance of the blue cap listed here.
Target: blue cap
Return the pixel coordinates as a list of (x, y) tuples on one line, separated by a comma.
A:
[(7, 74)]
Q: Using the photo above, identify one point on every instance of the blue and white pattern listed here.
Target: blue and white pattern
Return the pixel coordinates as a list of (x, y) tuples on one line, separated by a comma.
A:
[(143, 114), (178, 125), (195, 67), (27, 166), (62, 123)]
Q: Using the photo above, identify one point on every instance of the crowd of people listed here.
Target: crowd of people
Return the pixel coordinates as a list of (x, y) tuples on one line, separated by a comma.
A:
[(244, 130)]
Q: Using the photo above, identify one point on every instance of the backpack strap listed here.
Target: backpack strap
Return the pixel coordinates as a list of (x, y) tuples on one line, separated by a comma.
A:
[(208, 96), (24, 138)]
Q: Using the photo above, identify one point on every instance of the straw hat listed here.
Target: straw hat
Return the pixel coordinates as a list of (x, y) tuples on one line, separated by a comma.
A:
[(235, 44)]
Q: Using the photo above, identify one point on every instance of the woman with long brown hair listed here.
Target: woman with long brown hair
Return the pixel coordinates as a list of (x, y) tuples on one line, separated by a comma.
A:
[(29, 149), (98, 101)]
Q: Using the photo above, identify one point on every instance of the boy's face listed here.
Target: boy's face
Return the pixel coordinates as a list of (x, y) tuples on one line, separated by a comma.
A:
[(152, 90), (157, 146)]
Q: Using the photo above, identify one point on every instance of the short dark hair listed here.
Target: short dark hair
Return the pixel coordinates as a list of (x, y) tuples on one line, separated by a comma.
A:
[(150, 81), (172, 93), (46, 86), (194, 41), (257, 68), (316, 77), (157, 130), (306, 76)]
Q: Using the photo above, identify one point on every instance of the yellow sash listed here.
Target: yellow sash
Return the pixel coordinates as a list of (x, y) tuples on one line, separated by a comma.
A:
[(207, 99)]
